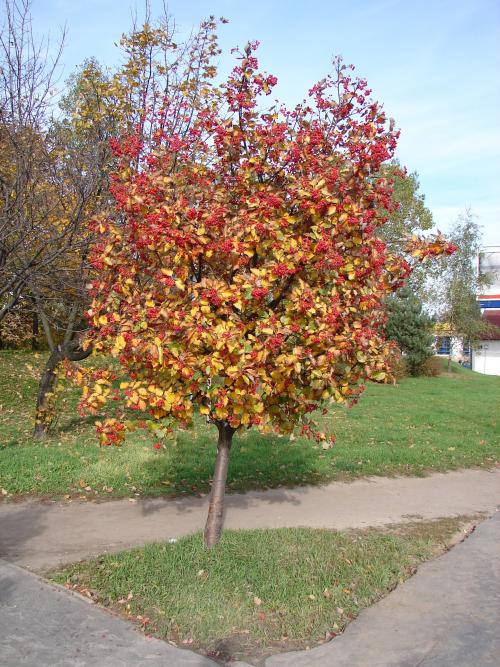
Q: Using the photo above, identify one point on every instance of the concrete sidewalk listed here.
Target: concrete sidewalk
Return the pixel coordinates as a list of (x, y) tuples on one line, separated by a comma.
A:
[(40, 535), (46, 626), (447, 615)]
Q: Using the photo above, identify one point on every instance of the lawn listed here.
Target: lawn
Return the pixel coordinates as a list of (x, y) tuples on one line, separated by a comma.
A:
[(258, 592), (420, 425)]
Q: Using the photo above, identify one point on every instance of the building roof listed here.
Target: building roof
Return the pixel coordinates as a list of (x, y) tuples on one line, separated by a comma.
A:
[(492, 317)]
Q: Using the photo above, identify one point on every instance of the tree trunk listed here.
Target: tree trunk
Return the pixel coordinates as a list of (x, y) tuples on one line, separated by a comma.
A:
[(46, 391), (215, 519), (35, 330), (45, 400)]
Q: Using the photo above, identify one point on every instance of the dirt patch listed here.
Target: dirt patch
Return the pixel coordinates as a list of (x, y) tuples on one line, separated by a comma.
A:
[(446, 532)]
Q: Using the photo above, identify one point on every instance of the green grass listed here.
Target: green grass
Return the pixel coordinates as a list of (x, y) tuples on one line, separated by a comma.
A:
[(258, 591), (420, 425)]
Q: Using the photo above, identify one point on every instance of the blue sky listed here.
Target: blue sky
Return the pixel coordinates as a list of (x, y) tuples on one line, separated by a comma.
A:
[(434, 64)]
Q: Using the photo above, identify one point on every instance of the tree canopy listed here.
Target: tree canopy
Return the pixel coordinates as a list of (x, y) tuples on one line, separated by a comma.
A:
[(243, 273)]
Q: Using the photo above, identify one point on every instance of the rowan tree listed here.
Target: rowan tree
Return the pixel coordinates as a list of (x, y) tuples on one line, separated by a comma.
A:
[(244, 276)]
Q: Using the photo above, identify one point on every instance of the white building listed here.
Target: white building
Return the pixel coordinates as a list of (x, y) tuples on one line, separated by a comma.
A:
[(486, 354)]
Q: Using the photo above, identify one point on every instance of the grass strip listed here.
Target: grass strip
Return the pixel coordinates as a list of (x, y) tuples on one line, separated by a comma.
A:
[(258, 591), (420, 425)]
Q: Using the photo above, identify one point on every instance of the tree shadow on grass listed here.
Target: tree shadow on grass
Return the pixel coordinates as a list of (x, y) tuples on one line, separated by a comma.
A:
[(70, 424), (257, 462), (60, 426)]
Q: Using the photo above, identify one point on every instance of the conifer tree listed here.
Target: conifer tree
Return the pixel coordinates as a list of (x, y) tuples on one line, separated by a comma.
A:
[(410, 327)]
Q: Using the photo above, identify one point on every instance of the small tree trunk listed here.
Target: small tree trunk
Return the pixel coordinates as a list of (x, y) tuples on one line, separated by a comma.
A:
[(45, 402), (215, 519), (44, 415), (35, 330)]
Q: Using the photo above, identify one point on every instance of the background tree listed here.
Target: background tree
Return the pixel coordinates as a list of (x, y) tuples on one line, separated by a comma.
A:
[(45, 193), (32, 233), (456, 283), (410, 327), (243, 274), (99, 107), (409, 214)]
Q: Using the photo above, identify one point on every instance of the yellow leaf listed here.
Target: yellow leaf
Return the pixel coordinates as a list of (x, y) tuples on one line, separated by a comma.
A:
[(170, 398), (120, 342), (160, 350)]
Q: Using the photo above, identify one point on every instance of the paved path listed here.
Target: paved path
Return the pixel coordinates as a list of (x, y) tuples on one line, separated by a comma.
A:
[(45, 626), (40, 535)]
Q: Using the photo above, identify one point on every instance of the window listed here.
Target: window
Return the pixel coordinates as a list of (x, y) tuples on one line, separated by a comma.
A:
[(443, 345)]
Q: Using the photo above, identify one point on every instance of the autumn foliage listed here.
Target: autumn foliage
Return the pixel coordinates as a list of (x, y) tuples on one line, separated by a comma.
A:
[(242, 274)]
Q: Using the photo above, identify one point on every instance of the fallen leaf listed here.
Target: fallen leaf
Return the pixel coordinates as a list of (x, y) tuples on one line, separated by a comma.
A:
[(257, 601)]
